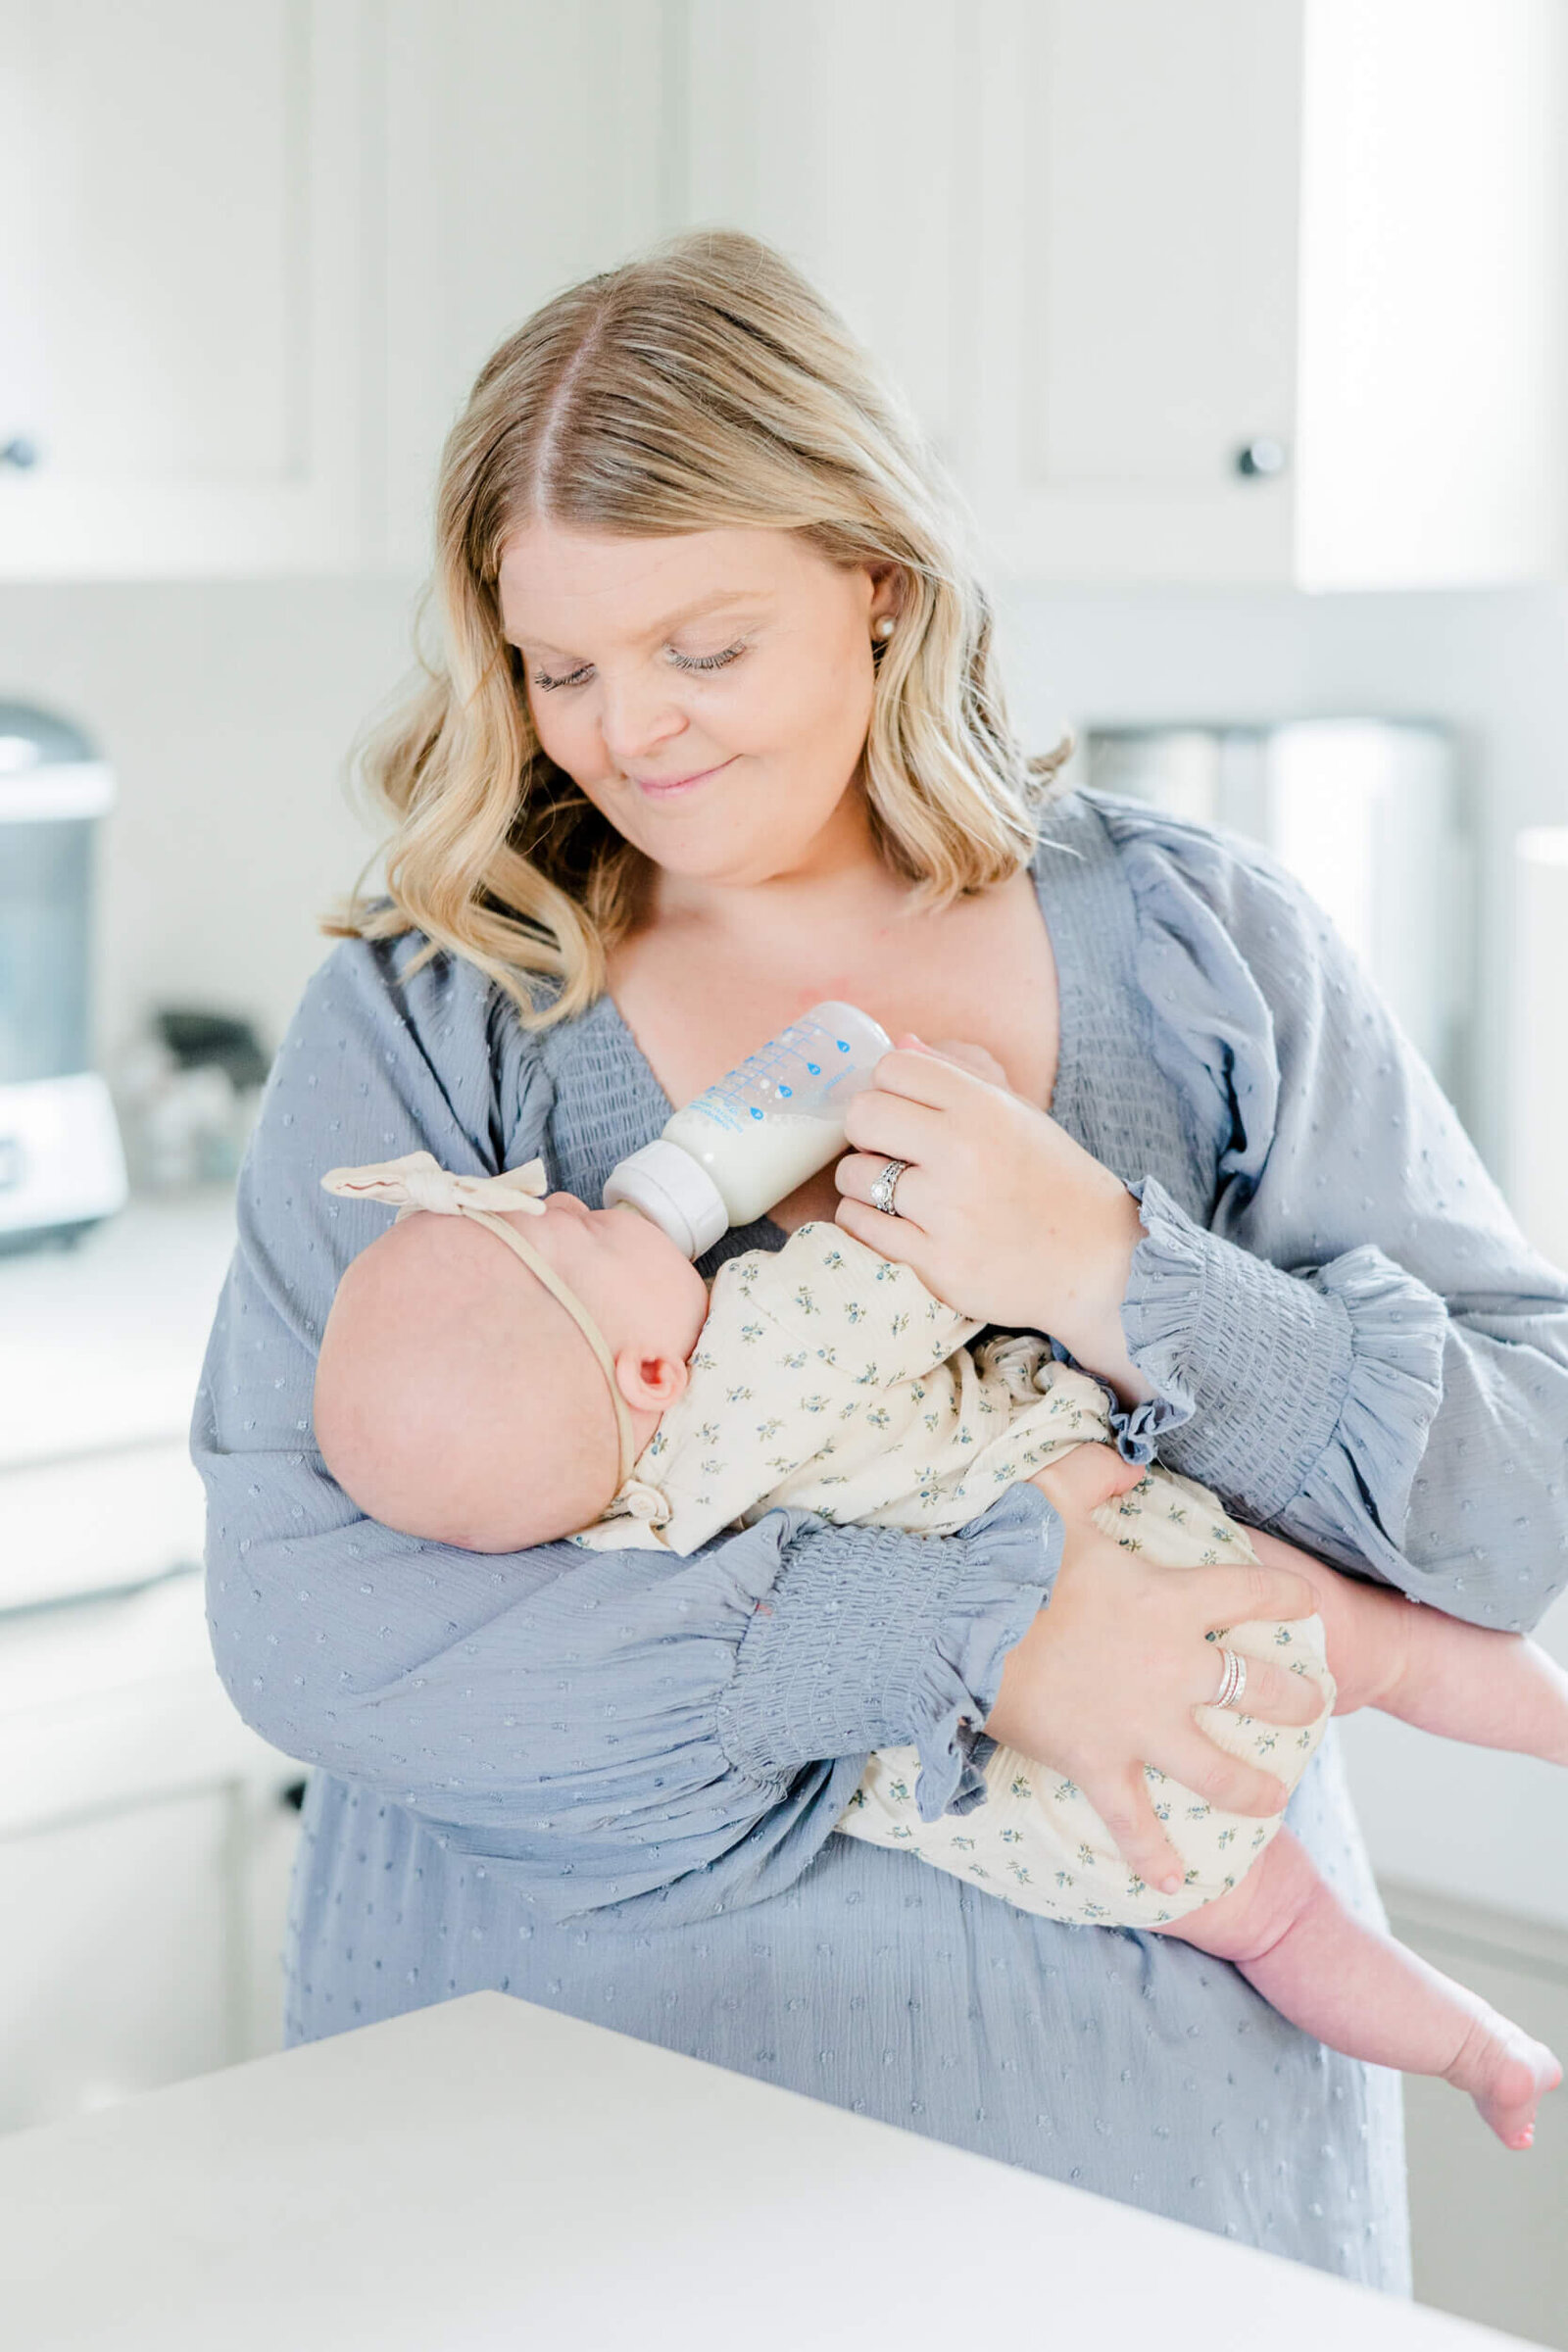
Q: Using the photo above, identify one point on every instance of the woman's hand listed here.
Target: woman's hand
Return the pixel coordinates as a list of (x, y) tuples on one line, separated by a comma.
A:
[(1106, 1678), (999, 1213)]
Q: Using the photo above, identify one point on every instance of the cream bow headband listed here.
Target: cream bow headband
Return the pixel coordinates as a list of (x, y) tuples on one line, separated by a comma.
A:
[(418, 1182)]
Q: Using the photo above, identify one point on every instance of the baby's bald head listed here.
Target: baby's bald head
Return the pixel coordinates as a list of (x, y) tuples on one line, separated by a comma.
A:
[(455, 1399)]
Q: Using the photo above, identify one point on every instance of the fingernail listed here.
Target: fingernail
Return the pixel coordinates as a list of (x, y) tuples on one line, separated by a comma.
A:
[(1171, 1884)]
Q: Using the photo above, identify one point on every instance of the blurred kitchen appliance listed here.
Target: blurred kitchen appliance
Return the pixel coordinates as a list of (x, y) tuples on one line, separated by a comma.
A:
[(1365, 812), (61, 1163)]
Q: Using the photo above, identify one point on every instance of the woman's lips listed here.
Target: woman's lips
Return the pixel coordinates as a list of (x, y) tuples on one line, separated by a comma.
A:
[(660, 788)]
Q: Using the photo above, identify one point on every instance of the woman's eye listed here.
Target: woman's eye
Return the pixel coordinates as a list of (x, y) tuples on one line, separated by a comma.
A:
[(577, 677), (730, 653)]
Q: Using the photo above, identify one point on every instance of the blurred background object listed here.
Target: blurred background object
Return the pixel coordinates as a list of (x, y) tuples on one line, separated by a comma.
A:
[(1243, 327), (189, 1088), (1364, 812), (61, 1163)]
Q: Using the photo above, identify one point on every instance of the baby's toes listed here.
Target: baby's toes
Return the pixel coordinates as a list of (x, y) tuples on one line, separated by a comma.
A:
[(1523, 2072)]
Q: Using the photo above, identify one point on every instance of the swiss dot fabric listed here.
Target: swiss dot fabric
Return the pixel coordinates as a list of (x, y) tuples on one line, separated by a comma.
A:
[(606, 1782)]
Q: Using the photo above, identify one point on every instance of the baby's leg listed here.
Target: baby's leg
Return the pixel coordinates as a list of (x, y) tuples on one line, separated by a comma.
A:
[(1363, 1994), (1491, 1690)]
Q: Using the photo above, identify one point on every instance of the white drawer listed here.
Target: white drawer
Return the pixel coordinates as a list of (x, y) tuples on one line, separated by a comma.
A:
[(96, 1523)]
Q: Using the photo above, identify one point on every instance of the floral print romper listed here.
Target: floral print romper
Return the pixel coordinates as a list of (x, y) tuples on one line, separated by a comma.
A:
[(829, 1378)]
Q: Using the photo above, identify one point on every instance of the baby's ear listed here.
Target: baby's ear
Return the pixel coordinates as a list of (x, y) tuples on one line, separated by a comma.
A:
[(652, 1383)]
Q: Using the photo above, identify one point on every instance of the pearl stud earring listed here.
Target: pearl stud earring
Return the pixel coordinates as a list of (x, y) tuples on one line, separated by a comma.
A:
[(884, 628)]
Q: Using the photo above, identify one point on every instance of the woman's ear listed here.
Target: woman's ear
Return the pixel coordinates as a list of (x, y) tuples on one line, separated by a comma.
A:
[(651, 1382)]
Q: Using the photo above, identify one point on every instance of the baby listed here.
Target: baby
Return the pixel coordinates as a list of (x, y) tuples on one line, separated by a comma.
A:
[(598, 1390)]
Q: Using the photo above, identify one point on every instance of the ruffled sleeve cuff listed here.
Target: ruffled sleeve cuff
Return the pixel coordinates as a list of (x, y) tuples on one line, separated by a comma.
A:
[(1273, 1388), (875, 1638)]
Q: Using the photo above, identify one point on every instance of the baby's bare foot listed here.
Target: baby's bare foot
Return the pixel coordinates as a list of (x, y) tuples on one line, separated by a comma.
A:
[(1508, 2075)]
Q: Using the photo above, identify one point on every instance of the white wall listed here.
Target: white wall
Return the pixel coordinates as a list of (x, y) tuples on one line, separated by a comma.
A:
[(228, 709)]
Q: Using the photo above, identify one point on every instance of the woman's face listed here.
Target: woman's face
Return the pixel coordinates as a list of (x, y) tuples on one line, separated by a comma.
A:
[(709, 693)]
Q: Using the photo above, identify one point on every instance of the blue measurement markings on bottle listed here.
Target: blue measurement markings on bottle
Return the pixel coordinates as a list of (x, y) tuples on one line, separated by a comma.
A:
[(761, 1078)]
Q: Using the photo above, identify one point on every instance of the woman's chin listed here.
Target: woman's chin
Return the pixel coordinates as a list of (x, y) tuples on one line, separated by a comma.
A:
[(725, 857)]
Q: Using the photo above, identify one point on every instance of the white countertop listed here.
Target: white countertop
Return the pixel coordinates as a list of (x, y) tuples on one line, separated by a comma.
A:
[(101, 1344), (101, 1348), (488, 2175)]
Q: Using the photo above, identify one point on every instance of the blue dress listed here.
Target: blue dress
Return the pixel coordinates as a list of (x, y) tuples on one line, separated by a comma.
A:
[(606, 1783)]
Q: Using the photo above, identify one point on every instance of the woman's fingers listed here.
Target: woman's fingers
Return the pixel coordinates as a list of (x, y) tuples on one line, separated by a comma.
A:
[(885, 1126), (1122, 1800), (929, 1078), (899, 1238), (968, 1056), (1271, 1693), (856, 1172), (1224, 1780), (1249, 1591)]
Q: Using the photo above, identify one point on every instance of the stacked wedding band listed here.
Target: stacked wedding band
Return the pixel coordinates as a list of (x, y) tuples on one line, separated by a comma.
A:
[(1231, 1681), (886, 1184)]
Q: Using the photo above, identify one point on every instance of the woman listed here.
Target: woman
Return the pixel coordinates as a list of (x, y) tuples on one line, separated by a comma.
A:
[(717, 734)]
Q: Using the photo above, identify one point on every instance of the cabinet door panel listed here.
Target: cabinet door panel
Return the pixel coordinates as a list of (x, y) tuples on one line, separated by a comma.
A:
[(1157, 211), (1138, 255), (527, 148), (179, 284), (833, 129), (158, 199), (115, 1968)]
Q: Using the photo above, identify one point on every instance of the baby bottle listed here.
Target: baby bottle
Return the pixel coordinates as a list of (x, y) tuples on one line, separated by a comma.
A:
[(744, 1142)]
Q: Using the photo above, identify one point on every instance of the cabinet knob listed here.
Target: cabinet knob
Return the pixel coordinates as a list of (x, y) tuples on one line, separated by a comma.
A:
[(18, 453), (1259, 461)]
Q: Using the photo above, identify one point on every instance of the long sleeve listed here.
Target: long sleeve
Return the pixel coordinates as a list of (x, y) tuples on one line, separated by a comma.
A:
[(600, 1730), (1359, 1349)]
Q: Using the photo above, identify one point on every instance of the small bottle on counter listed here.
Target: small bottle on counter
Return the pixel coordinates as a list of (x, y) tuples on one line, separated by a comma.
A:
[(744, 1144)]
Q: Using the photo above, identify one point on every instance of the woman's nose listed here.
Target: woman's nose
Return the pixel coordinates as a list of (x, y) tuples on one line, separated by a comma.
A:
[(636, 715)]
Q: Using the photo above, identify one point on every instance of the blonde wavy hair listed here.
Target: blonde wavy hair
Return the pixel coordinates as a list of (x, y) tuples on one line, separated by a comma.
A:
[(703, 385)]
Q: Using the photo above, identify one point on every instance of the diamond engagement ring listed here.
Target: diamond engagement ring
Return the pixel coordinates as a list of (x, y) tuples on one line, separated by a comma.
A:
[(1231, 1681), (886, 1184)]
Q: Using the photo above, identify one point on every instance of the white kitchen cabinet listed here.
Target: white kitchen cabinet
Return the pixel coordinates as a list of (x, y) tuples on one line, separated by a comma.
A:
[(841, 132), (1240, 292), (528, 146), (144, 1856), (1270, 292), (183, 284), (115, 1963), (1236, 292), (1137, 180), (144, 1851)]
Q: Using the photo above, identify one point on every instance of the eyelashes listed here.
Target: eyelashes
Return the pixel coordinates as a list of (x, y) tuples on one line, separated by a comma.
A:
[(708, 662)]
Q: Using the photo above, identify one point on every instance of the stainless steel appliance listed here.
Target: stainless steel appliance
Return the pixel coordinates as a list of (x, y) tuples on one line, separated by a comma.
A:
[(1366, 813), (61, 1163)]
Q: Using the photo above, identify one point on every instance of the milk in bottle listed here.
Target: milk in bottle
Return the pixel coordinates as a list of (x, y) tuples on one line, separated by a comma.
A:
[(743, 1144)]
